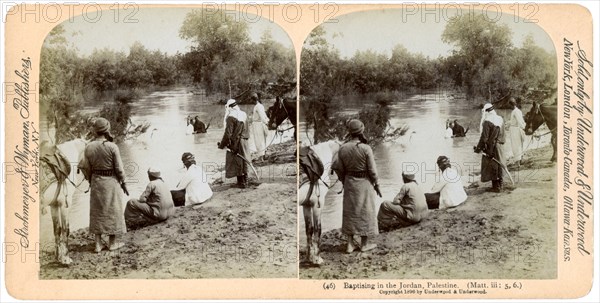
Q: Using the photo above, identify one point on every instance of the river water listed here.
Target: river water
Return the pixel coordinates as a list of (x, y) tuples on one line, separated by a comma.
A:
[(418, 150), (161, 146)]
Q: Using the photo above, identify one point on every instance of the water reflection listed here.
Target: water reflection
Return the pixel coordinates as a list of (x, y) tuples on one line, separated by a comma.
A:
[(161, 146), (417, 151)]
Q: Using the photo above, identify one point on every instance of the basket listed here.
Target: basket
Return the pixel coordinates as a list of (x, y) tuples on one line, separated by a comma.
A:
[(178, 197)]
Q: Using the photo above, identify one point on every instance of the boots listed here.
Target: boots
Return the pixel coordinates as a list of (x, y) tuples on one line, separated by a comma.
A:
[(496, 186), (245, 181), (242, 181)]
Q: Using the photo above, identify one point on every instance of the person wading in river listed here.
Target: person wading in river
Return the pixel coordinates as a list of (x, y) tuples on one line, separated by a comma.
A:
[(235, 139), (356, 169), (102, 167)]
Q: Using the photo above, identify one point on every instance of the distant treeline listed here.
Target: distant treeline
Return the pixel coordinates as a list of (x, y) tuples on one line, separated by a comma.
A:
[(223, 60), (484, 65)]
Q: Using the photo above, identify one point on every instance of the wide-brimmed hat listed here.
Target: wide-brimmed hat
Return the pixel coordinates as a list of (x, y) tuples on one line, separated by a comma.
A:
[(101, 125), (187, 157), (488, 107), (231, 103), (154, 172), (355, 127), (408, 176)]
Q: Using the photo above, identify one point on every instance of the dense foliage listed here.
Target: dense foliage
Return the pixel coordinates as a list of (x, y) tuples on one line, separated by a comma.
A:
[(484, 65), (223, 61)]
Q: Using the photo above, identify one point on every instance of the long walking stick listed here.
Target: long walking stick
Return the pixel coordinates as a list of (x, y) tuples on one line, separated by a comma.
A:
[(501, 165), (248, 162)]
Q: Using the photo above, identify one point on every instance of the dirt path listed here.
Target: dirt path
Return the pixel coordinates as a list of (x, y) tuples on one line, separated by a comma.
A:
[(492, 235), (239, 233)]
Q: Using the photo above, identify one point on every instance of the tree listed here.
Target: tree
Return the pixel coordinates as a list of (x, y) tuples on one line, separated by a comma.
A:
[(61, 78), (484, 47), (319, 70), (534, 71), (218, 40)]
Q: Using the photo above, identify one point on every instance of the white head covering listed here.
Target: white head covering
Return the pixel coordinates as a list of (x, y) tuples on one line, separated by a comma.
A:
[(229, 102), (233, 111), (488, 113), (227, 110), (154, 171)]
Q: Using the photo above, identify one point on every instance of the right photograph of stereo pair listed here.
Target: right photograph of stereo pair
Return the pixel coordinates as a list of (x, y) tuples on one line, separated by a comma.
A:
[(427, 148)]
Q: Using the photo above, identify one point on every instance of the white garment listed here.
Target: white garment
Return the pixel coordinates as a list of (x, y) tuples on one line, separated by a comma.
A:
[(516, 133), (189, 129), (450, 188), (448, 133), (260, 130), (237, 113), (196, 185)]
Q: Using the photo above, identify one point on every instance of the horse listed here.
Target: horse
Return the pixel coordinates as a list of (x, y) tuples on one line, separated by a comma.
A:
[(278, 112), (57, 192), (538, 115), (315, 201)]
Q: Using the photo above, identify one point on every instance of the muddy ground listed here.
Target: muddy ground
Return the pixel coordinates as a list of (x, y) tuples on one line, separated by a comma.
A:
[(238, 233), (492, 235)]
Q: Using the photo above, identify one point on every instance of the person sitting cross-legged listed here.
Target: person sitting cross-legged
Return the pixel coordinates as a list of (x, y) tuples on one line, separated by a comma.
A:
[(408, 208), (154, 205), (448, 191)]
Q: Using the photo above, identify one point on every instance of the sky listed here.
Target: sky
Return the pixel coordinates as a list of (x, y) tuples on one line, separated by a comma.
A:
[(155, 28), (378, 30), (381, 30)]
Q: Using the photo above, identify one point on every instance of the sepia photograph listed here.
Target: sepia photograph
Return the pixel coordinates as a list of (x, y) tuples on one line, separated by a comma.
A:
[(428, 148), (168, 146), (299, 151)]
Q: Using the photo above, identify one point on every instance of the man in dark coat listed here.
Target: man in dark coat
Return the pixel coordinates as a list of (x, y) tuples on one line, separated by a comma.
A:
[(490, 142), (235, 139)]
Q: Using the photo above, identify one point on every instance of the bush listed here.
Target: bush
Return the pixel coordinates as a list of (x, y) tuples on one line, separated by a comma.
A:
[(375, 117), (118, 112)]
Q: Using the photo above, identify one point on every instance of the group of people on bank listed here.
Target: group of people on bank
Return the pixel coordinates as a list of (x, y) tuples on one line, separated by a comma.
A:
[(356, 169), (102, 166)]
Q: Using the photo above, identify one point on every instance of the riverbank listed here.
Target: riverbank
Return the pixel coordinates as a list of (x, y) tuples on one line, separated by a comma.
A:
[(238, 233), (492, 235)]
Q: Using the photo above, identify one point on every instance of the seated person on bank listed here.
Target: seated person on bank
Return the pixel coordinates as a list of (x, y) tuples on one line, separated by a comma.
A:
[(408, 208), (195, 182), (448, 191), (154, 205)]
